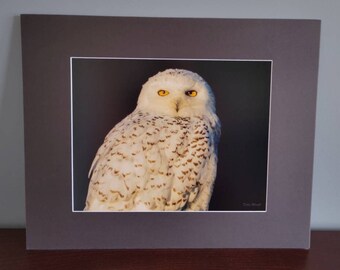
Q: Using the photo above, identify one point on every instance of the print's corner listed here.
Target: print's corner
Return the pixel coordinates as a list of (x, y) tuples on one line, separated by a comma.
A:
[(325, 202)]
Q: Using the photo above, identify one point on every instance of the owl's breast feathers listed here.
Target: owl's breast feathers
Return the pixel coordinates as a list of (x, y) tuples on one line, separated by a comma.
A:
[(150, 162)]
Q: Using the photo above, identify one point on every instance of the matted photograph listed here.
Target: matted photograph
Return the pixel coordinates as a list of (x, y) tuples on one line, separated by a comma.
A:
[(170, 134)]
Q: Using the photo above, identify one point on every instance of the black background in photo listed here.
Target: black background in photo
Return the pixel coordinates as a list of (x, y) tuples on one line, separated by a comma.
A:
[(106, 90)]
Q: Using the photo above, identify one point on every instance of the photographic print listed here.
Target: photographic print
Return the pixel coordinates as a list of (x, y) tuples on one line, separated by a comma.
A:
[(148, 134)]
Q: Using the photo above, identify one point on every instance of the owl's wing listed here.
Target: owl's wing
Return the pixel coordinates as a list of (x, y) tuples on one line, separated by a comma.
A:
[(195, 169), (109, 141), (113, 172), (207, 180), (205, 188)]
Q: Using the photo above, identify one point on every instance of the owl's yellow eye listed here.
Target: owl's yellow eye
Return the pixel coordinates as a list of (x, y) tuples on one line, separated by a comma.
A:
[(163, 93), (191, 93)]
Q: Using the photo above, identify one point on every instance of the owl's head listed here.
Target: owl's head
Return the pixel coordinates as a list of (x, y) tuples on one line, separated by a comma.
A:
[(177, 92)]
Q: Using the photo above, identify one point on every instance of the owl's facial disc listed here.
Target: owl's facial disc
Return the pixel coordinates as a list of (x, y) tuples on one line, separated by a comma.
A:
[(176, 93)]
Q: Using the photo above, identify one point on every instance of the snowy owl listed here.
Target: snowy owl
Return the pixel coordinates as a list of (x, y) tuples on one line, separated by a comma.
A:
[(163, 156)]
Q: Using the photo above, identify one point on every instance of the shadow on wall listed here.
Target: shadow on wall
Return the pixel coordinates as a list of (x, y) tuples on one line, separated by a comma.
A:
[(12, 192)]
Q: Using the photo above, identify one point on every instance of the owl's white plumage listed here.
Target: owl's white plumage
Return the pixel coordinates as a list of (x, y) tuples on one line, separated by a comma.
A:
[(163, 156)]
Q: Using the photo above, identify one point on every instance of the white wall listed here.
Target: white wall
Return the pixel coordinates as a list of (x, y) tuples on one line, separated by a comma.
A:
[(326, 186)]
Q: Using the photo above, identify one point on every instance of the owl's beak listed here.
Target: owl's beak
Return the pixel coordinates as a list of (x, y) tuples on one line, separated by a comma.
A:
[(177, 105)]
